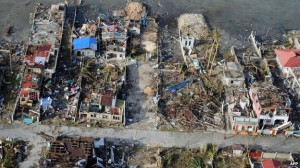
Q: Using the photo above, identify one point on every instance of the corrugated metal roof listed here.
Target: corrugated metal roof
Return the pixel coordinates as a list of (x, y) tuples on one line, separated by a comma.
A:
[(288, 58), (85, 43), (106, 100), (271, 163)]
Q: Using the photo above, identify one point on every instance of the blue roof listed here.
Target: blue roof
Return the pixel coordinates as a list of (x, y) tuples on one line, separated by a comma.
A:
[(85, 43)]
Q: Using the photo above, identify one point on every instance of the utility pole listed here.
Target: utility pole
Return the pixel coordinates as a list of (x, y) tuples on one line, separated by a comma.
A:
[(10, 57)]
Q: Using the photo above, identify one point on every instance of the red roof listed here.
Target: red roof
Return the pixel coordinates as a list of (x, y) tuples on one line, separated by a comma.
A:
[(41, 54), (114, 111), (24, 93), (28, 77), (28, 84), (255, 154), (41, 51), (106, 100), (45, 47), (29, 58), (288, 57), (271, 163)]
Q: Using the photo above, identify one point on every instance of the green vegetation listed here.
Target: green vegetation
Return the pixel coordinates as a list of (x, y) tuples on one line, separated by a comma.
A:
[(205, 157)]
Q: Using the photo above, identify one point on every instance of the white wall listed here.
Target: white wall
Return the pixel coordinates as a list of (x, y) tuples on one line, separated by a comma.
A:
[(274, 118), (188, 41), (85, 52)]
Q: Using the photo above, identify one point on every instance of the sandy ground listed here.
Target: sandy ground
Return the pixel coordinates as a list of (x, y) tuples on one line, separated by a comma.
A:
[(138, 103)]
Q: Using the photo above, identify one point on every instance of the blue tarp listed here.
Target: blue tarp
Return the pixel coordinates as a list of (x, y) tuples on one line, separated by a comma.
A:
[(28, 120), (46, 102), (85, 43), (178, 86)]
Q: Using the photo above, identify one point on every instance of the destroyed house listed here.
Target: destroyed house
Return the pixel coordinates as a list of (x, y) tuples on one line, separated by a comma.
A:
[(271, 106), (99, 107), (270, 160), (30, 88), (115, 39), (72, 106), (85, 46), (38, 55), (41, 55), (191, 27), (242, 118), (87, 30), (233, 74), (47, 29), (68, 151)]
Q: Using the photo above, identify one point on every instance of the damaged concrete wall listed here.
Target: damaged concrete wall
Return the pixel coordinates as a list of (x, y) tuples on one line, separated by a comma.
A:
[(254, 44)]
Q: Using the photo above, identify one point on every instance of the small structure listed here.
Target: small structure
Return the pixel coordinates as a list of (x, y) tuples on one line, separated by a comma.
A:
[(237, 150), (270, 105), (47, 30), (115, 40), (270, 160), (191, 27), (86, 46), (102, 108), (233, 74), (287, 58), (289, 63)]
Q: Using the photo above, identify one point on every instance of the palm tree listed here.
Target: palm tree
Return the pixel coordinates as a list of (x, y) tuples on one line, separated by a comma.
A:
[(196, 162), (211, 150)]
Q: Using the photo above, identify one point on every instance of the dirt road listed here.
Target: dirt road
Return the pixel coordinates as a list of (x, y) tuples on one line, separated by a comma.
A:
[(147, 138)]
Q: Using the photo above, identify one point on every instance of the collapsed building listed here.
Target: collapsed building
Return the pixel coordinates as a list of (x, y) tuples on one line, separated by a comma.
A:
[(67, 151), (192, 28), (263, 110), (102, 108), (40, 57), (186, 104), (114, 38), (47, 29)]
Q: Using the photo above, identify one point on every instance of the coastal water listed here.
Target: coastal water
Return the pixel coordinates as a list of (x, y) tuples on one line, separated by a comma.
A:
[(235, 17)]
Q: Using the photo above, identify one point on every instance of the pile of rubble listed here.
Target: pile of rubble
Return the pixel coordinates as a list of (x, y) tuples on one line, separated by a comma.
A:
[(193, 25), (135, 11)]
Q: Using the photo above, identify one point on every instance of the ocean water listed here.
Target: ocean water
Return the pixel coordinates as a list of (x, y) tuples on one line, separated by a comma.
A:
[(235, 17)]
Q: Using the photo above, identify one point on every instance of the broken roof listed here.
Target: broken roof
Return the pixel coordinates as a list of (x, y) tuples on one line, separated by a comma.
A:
[(106, 100), (271, 163), (85, 43), (288, 57), (234, 74)]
